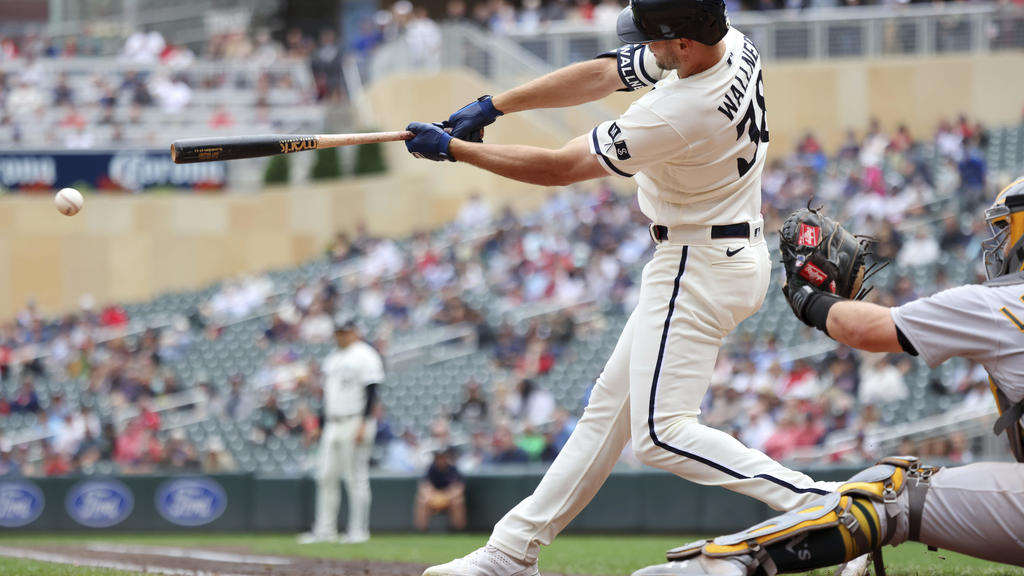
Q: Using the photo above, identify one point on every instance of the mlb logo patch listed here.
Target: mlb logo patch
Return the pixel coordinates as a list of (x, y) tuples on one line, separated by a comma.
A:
[(621, 151), (809, 235)]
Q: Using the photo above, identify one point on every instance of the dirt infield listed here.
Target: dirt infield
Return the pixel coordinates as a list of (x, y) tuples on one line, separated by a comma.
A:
[(205, 562)]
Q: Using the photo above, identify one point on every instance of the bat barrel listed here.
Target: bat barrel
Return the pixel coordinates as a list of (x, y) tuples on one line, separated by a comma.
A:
[(234, 148)]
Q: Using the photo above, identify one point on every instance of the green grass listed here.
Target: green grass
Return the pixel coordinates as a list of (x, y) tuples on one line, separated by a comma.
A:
[(597, 554)]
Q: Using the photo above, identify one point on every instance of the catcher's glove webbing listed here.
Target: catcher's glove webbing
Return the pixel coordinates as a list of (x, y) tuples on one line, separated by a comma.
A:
[(822, 257)]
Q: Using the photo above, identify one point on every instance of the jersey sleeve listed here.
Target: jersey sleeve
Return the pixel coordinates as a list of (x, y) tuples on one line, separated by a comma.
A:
[(636, 65), (373, 368), (636, 139), (955, 322)]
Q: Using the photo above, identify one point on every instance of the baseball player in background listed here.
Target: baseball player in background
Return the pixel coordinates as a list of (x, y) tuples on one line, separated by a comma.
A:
[(977, 509), (352, 372), (695, 145)]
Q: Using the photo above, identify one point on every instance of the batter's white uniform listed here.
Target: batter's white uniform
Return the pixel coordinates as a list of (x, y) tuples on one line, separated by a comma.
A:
[(347, 373), (696, 148)]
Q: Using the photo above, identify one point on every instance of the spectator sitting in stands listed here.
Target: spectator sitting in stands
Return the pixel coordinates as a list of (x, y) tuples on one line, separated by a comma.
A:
[(26, 400), (441, 491), (179, 453), (404, 454), (505, 449), (530, 404), (269, 420), (217, 460), (881, 380), (54, 463), (473, 411)]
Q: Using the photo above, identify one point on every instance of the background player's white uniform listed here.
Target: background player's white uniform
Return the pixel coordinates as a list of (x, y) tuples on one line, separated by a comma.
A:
[(347, 373), (977, 508), (696, 147)]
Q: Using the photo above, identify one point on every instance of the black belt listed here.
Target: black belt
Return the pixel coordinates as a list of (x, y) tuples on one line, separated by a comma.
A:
[(740, 230)]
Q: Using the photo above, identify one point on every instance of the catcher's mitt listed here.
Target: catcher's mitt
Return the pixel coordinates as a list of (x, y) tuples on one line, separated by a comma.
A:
[(818, 252)]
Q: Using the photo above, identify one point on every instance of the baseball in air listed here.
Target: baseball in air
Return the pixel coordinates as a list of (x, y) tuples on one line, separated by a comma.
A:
[(69, 201)]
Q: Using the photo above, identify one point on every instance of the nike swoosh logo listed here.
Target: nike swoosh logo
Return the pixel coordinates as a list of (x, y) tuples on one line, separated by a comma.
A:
[(730, 252)]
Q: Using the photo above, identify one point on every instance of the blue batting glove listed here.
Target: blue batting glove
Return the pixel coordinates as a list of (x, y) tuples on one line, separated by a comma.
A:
[(430, 142), (467, 122)]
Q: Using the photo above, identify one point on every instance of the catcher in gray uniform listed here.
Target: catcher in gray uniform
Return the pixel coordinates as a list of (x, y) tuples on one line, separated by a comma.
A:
[(977, 509)]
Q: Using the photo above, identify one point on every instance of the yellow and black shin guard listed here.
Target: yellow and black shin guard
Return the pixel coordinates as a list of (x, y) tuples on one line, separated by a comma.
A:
[(829, 530)]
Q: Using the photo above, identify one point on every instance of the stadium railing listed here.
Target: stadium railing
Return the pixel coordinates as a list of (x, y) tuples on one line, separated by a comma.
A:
[(813, 34)]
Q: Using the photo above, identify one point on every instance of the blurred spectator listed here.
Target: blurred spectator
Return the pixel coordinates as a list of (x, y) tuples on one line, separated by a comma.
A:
[(270, 420), (475, 213), (881, 380), (441, 491), (405, 454), (505, 449), (326, 64), (423, 37), (54, 463), (473, 410), (144, 46), (216, 459), (530, 404), (26, 400)]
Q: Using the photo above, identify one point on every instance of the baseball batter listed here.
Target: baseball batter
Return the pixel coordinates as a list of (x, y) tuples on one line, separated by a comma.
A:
[(977, 509), (695, 145), (352, 373)]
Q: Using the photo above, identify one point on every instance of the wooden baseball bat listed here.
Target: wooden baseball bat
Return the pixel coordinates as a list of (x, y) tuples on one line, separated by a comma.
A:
[(236, 147)]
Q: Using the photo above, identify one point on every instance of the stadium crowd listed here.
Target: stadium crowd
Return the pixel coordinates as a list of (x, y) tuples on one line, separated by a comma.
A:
[(917, 197)]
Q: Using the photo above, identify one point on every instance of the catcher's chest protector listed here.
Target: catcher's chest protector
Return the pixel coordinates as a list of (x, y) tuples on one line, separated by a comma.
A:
[(1009, 413)]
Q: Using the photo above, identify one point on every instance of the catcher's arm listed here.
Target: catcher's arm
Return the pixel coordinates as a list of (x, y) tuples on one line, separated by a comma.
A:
[(864, 326)]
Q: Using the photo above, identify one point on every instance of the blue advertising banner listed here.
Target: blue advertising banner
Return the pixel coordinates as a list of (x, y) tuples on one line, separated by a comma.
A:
[(130, 170)]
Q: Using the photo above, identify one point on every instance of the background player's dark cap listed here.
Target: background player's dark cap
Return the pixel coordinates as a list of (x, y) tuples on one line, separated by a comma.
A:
[(345, 323), (643, 21)]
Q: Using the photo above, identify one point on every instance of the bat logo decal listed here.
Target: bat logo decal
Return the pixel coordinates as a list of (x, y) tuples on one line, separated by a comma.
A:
[(297, 145)]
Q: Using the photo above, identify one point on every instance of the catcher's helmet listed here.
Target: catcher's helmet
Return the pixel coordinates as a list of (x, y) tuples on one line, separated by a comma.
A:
[(705, 21), (1005, 219)]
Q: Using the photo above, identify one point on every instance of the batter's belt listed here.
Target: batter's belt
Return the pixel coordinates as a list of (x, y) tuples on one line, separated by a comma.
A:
[(699, 234)]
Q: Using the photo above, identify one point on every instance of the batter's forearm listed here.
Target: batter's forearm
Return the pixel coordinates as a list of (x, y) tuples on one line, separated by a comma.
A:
[(531, 164), (575, 84)]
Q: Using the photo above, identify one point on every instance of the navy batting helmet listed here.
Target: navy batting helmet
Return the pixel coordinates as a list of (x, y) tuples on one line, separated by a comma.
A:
[(705, 21)]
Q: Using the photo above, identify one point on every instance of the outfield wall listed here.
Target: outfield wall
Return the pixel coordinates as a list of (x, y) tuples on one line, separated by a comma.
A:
[(630, 501)]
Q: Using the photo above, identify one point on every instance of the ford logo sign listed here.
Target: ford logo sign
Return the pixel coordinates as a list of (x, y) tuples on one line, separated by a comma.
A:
[(99, 503), (20, 503), (191, 501)]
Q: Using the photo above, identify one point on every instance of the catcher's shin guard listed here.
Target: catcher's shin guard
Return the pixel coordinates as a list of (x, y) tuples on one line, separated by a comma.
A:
[(880, 505)]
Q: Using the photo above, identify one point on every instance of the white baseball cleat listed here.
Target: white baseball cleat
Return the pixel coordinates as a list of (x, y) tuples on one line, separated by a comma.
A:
[(856, 567), (315, 538), (700, 566), (353, 538), (485, 561)]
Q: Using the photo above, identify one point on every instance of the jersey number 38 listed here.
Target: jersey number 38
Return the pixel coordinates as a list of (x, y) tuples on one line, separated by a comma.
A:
[(749, 126)]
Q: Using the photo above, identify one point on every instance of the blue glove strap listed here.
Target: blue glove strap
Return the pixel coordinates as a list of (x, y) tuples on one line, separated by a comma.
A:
[(430, 142), (487, 105), (472, 117)]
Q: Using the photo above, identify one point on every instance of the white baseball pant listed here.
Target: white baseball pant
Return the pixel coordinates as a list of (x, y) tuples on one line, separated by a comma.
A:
[(339, 458), (693, 293)]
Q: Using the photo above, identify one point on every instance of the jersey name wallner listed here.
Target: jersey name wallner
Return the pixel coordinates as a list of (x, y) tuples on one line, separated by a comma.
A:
[(627, 66), (749, 57)]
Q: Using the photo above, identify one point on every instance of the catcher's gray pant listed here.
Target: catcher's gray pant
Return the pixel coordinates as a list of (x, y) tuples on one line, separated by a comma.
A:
[(651, 389), (978, 510), (340, 457)]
